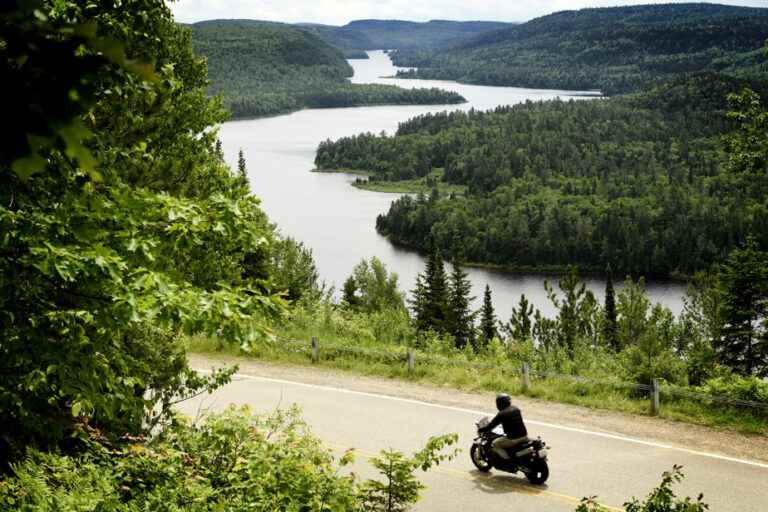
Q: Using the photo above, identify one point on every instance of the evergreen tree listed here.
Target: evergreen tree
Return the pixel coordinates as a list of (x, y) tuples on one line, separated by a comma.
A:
[(436, 291), (418, 304), (219, 150), (487, 319), (611, 328), (430, 300), (242, 170), (632, 309), (743, 345), (349, 292), (461, 318), (576, 310), (520, 325)]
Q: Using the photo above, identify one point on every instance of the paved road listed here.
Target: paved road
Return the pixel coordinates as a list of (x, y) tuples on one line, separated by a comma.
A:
[(581, 462)]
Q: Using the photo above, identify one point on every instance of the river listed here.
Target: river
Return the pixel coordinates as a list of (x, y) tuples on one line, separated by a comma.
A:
[(338, 221)]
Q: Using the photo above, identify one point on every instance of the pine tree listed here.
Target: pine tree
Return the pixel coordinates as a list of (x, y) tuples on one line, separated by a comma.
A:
[(487, 319), (418, 304), (744, 281), (571, 321), (219, 150), (436, 291), (520, 324), (461, 318), (242, 170), (611, 328), (430, 297)]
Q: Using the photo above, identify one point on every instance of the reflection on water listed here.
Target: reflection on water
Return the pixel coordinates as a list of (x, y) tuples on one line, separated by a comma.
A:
[(338, 221)]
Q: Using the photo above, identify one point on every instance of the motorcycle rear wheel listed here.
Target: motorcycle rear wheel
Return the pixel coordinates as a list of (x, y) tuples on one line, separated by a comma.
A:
[(479, 460), (539, 472)]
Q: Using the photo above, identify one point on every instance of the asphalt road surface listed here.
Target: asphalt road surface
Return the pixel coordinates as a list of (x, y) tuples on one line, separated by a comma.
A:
[(582, 462)]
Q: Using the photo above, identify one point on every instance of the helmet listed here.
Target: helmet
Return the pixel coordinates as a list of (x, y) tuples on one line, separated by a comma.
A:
[(503, 401)]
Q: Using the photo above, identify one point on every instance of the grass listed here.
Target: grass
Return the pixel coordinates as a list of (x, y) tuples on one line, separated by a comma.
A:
[(414, 186), (390, 362)]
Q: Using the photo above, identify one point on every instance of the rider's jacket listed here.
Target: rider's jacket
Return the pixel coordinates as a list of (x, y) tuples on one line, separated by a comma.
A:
[(512, 421)]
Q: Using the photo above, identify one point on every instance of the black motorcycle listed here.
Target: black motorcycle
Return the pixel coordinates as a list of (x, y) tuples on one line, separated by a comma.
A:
[(530, 457)]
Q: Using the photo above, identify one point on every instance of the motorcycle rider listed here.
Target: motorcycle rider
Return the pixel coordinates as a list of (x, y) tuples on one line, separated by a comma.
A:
[(511, 419)]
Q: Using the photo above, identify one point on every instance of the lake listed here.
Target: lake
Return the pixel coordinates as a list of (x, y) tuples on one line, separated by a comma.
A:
[(337, 221)]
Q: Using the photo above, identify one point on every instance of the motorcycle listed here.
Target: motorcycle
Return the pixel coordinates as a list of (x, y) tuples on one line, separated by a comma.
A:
[(530, 457)]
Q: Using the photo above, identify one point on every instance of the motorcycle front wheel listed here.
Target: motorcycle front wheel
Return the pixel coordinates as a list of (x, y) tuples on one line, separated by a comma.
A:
[(539, 472), (478, 459)]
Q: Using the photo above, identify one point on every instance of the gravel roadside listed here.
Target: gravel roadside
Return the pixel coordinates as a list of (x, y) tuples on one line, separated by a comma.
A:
[(683, 435)]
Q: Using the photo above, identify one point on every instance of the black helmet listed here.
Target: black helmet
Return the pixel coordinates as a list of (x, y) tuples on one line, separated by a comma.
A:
[(503, 401)]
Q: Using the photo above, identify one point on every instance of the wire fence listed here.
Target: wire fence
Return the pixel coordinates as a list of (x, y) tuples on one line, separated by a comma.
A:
[(412, 360)]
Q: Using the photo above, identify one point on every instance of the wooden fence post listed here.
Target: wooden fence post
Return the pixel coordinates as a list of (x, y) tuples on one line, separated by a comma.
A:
[(655, 400), (526, 378), (315, 349), (410, 361)]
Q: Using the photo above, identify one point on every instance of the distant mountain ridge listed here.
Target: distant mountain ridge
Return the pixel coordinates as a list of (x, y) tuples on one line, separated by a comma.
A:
[(372, 34), (617, 49), (265, 68)]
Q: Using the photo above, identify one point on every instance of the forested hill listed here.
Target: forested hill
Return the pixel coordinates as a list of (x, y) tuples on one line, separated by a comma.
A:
[(263, 68), (398, 34), (615, 50), (638, 182)]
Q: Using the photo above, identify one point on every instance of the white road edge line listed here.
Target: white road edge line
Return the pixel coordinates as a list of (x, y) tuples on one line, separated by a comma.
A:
[(606, 435)]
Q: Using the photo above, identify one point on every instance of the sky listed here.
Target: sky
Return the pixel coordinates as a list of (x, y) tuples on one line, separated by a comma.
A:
[(340, 12)]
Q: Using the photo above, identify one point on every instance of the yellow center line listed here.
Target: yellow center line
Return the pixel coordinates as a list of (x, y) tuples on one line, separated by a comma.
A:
[(530, 490)]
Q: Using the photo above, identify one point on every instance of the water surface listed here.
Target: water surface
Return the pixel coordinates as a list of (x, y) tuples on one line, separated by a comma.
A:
[(337, 220)]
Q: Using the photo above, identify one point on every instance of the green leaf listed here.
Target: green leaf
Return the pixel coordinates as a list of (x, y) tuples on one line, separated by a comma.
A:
[(27, 166)]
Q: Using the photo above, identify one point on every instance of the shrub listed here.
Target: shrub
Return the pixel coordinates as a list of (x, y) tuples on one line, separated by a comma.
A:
[(660, 499), (232, 461), (734, 386)]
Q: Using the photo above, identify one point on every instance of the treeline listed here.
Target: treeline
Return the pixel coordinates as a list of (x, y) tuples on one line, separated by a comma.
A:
[(389, 34), (264, 68), (615, 50), (718, 342), (641, 183), (337, 96)]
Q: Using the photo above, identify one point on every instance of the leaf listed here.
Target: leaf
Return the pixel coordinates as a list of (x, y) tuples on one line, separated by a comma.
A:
[(27, 166)]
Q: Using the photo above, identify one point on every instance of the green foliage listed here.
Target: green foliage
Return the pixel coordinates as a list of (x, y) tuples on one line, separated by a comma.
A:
[(743, 388), (104, 263), (400, 488), (263, 68), (520, 326), (743, 345), (487, 328), (748, 147), (430, 297), (231, 461), (615, 50), (661, 499), (461, 319), (575, 311), (390, 34), (371, 288), (41, 40), (332, 323), (625, 182), (294, 271), (610, 326)]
